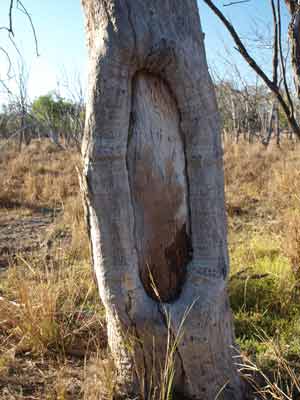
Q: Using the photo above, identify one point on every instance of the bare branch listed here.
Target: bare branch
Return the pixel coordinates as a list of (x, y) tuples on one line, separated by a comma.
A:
[(253, 64), (24, 10), (275, 43), (6, 88), (232, 3), (8, 59), (11, 39), (240, 46), (10, 28), (11, 31)]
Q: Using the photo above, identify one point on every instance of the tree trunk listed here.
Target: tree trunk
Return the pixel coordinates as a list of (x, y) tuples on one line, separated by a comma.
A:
[(270, 127), (154, 196), (294, 38), (277, 117), (236, 131)]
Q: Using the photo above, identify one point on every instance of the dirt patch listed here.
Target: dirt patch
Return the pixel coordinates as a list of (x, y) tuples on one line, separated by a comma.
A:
[(22, 232), (34, 378)]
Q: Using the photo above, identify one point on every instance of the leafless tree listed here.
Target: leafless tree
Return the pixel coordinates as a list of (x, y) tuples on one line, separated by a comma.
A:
[(74, 89), (22, 104), (13, 7), (244, 104), (283, 97)]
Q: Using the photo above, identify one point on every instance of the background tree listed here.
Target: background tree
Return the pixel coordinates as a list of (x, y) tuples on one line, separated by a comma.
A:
[(74, 89), (59, 118), (13, 6), (51, 112), (284, 96), (20, 100)]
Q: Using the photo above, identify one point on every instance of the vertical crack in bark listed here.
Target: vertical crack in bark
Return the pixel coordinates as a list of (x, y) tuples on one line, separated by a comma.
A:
[(187, 179), (130, 127)]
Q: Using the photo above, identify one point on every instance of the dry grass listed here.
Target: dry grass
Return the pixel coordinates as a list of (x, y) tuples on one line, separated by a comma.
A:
[(263, 204), (38, 176), (52, 327), (50, 315), (48, 308)]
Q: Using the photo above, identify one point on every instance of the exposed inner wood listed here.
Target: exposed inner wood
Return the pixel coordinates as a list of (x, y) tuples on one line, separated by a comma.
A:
[(156, 167)]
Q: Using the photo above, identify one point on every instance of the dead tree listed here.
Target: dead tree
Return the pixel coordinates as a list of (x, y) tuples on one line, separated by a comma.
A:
[(284, 97)]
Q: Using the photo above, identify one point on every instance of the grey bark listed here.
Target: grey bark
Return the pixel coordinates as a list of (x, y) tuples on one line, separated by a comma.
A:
[(277, 117), (236, 131), (154, 193), (294, 38), (270, 126)]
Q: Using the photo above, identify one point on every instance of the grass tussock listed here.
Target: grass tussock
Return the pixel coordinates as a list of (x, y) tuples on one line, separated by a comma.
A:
[(39, 176), (50, 309), (50, 319)]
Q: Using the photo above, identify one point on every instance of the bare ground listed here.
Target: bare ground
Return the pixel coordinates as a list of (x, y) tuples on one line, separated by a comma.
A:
[(22, 232)]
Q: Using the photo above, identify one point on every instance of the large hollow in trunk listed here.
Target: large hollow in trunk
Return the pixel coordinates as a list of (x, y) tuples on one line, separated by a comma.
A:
[(154, 196), (157, 175)]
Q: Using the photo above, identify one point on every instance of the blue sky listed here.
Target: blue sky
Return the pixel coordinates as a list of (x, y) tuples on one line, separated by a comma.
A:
[(60, 31)]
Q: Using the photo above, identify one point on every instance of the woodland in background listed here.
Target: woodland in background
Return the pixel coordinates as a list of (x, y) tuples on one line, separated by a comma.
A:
[(247, 111)]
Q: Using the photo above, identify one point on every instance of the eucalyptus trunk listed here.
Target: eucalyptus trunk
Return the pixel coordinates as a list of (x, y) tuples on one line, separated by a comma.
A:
[(154, 194)]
